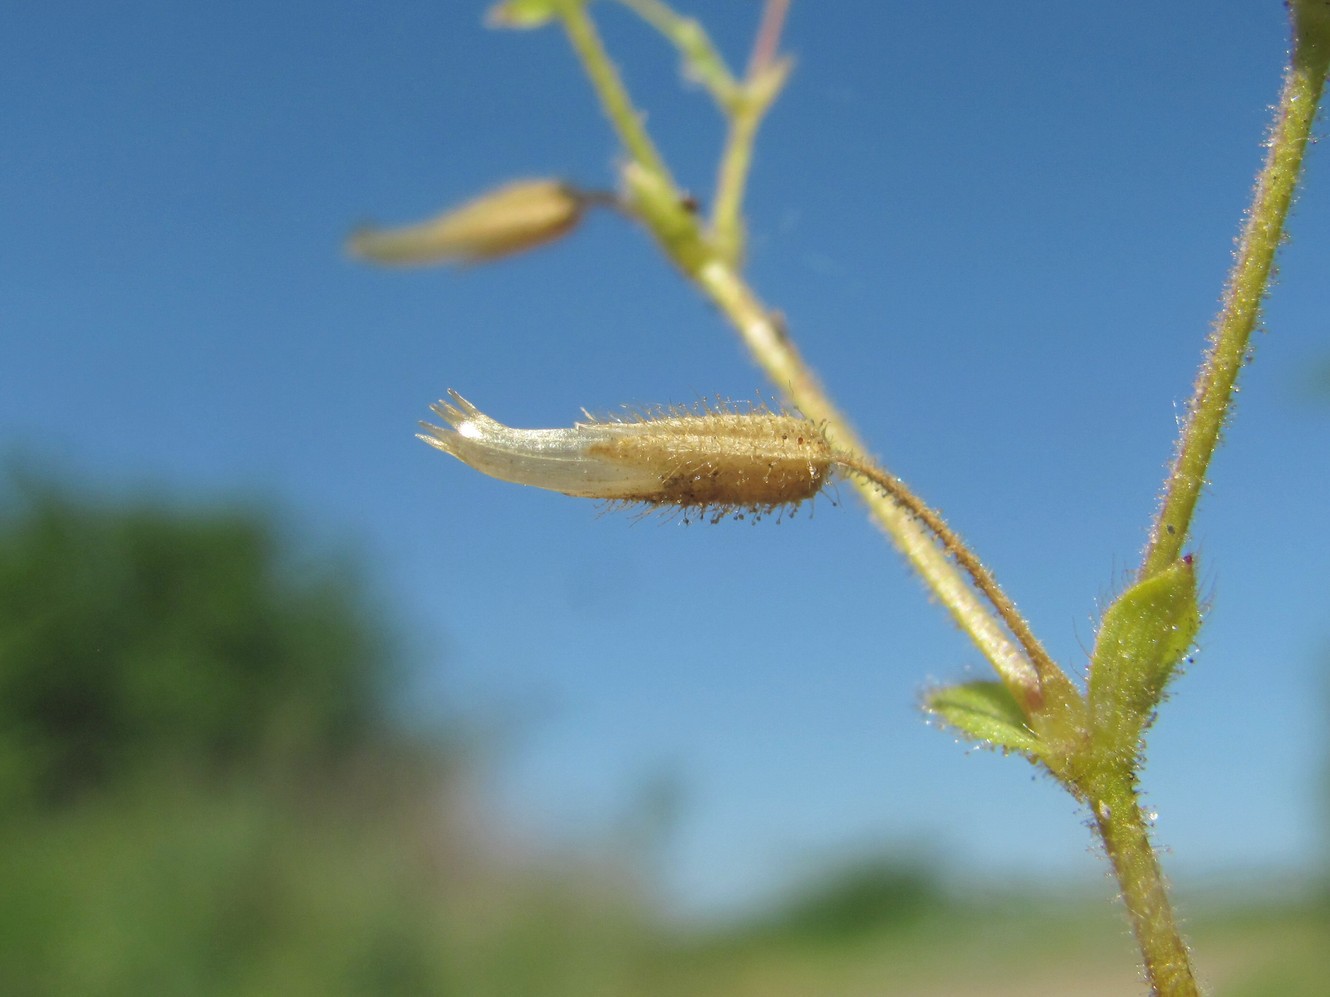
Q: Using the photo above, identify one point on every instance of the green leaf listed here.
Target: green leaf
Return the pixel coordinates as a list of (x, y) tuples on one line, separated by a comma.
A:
[(1144, 636), (523, 13), (985, 712)]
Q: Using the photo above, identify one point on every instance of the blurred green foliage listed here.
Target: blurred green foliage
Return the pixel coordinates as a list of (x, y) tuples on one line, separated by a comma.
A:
[(859, 899), (203, 792), (134, 637)]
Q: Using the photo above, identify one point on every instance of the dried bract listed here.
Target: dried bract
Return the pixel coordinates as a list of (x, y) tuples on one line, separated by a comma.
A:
[(511, 219)]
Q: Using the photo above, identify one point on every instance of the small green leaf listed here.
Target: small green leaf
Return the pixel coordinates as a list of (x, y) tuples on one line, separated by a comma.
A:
[(1144, 636), (985, 712), (523, 13)]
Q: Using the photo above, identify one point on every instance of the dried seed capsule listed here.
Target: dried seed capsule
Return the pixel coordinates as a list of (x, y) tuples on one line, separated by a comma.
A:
[(716, 460), (511, 219)]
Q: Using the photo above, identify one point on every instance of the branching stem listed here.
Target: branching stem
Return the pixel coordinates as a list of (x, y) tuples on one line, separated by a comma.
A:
[(1051, 701), (755, 99), (769, 342), (767, 339)]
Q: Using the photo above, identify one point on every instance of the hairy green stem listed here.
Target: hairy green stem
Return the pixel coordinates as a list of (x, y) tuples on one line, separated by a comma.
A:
[(767, 42), (1035, 681), (1110, 791), (614, 97), (771, 346), (756, 98), (714, 273), (1051, 701), (1247, 285), (983, 579), (1124, 830), (701, 60)]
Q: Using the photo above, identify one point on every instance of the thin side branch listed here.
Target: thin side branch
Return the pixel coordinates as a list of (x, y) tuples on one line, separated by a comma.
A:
[(951, 542), (769, 342), (767, 43)]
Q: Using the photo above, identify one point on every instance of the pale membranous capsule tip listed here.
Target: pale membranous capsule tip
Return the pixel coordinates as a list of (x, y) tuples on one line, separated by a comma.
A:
[(715, 460)]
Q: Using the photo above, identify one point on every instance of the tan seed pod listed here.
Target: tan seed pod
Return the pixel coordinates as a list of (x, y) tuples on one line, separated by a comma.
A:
[(508, 220), (714, 460)]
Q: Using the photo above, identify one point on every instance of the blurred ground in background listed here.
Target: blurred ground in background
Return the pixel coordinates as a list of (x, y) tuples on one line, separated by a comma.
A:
[(204, 790)]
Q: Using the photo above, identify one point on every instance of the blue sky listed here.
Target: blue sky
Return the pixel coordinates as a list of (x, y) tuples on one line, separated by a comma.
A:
[(999, 236)]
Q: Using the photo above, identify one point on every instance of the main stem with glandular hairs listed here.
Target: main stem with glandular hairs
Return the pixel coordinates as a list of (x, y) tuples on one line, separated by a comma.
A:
[(1248, 282), (1124, 830)]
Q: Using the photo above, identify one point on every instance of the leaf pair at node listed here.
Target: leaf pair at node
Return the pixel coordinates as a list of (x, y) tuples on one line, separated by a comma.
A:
[(1144, 636)]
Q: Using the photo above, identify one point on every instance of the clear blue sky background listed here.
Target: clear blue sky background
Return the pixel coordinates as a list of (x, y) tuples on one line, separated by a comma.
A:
[(999, 232)]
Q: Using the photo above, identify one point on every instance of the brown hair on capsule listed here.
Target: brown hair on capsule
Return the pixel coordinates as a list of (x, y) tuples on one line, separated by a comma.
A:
[(715, 460), (721, 460)]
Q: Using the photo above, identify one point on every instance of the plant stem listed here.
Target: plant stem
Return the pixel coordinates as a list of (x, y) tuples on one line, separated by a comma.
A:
[(768, 37), (770, 345), (983, 579), (763, 82), (1125, 833), (701, 60), (743, 104), (1111, 790), (613, 94), (713, 272), (1247, 285), (755, 98), (1048, 697)]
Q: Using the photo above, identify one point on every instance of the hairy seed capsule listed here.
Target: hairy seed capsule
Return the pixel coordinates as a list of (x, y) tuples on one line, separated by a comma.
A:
[(716, 460), (511, 219)]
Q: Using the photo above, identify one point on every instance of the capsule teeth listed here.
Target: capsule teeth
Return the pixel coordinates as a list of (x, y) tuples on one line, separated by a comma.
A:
[(447, 413), (437, 437), (462, 403), (457, 414)]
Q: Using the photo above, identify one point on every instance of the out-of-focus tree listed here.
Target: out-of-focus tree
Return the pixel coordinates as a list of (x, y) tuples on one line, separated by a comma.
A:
[(203, 789), (134, 637), (859, 899)]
